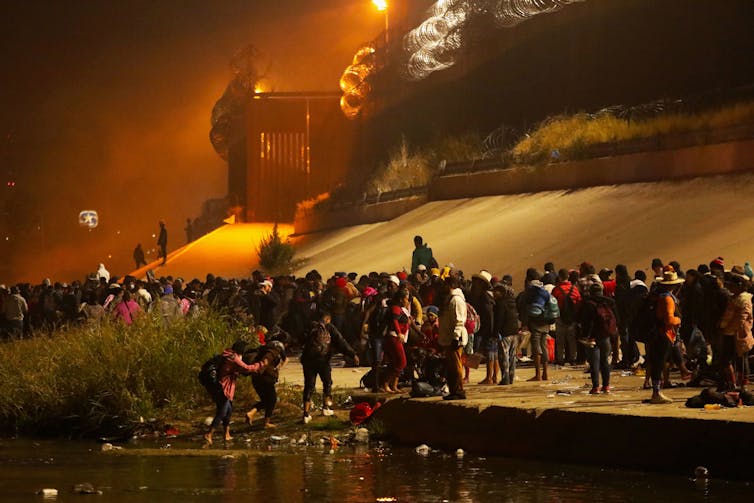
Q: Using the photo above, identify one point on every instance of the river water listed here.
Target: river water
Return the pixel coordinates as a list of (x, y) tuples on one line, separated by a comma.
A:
[(350, 474)]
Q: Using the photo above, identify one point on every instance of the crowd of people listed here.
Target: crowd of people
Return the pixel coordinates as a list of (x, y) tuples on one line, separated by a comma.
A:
[(697, 322)]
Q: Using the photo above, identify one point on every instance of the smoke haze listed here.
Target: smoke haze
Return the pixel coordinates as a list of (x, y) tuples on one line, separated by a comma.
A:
[(106, 106)]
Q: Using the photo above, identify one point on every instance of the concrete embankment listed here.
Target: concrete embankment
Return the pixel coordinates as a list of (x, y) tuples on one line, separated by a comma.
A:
[(559, 421)]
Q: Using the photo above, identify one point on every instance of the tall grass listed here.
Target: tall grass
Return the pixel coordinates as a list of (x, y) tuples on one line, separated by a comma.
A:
[(80, 379), (572, 135)]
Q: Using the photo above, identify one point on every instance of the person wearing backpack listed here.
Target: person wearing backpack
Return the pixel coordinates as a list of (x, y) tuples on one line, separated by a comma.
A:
[(319, 345), (668, 322), (569, 299), (598, 325), (229, 366), (541, 311)]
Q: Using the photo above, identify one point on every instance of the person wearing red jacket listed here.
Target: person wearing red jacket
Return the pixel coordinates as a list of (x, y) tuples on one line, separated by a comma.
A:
[(565, 325)]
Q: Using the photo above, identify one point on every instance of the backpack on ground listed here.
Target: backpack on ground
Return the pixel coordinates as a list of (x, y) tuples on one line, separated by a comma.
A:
[(209, 375), (423, 389), (605, 323), (568, 311), (319, 340)]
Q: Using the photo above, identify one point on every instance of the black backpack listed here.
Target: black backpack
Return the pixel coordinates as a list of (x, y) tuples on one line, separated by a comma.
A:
[(209, 375), (645, 326), (568, 311), (319, 340), (379, 320), (605, 323)]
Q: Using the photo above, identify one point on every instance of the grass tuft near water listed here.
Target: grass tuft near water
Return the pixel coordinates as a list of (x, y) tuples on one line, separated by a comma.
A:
[(81, 379)]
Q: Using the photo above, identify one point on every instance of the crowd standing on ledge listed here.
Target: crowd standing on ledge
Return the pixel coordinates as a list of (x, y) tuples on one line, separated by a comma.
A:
[(409, 326)]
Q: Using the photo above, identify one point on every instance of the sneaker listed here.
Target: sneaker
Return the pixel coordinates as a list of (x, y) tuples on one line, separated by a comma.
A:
[(659, 399), (594, 391), (327, 412), (306, 419), (607, 390)]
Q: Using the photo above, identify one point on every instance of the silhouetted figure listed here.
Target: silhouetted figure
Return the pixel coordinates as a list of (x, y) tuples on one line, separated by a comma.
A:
[(139, 256), (162, 243), (189, 231)]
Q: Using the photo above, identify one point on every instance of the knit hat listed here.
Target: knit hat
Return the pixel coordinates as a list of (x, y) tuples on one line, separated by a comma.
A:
[(394, 279), (435, 271), (718, 262), (433, 310)]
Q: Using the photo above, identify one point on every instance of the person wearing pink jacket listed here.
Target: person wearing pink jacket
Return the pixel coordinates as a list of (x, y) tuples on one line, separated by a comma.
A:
[(227, 374)]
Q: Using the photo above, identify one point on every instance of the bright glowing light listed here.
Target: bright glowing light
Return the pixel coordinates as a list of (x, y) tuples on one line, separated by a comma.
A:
[(89, 218), (380, 4), (354, 82)]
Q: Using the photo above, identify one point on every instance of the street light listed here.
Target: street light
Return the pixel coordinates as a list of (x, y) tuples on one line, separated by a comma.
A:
[(381, 6)]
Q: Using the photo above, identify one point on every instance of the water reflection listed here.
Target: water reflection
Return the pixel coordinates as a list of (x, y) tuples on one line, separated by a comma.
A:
[(292, 474)]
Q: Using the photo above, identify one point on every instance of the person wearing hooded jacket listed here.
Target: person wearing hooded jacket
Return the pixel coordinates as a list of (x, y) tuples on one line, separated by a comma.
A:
[(453, 337), (273, 357), (232, 366)]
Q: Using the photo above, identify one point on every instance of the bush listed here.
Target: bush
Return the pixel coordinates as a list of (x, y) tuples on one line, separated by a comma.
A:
[(276, 255), (83, 378), (572, 135)]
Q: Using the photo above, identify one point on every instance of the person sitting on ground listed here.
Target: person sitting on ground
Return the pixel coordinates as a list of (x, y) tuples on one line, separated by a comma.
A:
[(322, 340), (273, 356), (232, 366)]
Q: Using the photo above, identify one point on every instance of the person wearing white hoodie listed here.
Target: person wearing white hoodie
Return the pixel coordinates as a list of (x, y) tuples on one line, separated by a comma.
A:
[(103, 273), (453, 337)]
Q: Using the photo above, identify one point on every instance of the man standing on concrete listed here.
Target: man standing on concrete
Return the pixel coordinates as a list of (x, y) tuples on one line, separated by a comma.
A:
[(453, 337), (162, 243), (422, 255), (569, 300)]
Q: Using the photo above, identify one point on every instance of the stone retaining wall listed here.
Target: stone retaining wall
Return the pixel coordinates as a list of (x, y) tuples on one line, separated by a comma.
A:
[(668, 444)]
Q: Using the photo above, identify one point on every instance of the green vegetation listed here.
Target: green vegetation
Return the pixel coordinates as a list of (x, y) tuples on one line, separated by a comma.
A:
[(89, 379), (276, 255), (414, 167), (573, 135)]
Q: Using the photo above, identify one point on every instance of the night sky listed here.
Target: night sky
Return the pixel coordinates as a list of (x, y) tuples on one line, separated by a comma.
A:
[(106, 106)]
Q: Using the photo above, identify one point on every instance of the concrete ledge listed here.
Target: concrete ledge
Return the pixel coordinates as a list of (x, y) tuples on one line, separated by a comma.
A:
[(682, 163), (657, 443), (357, 215)]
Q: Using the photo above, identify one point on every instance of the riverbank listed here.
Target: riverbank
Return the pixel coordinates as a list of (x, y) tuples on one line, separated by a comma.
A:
[(558, 421)]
